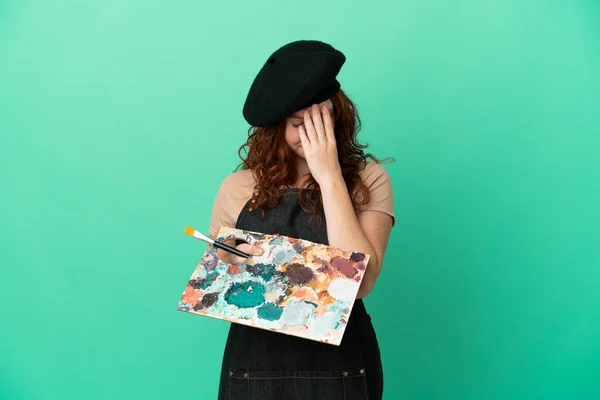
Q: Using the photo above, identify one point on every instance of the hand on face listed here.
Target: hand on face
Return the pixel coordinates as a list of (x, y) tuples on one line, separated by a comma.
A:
[(319, 145)]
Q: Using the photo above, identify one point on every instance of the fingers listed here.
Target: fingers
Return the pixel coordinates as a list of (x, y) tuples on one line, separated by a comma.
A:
[(248, 249), (304, 138), (310, 128), (235, 259), (329, 133), (318, 123)]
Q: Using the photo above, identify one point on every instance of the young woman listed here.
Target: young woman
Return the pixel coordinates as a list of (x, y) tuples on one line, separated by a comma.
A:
[(305, 176)]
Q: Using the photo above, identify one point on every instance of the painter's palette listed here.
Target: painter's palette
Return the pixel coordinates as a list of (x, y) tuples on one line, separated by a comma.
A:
[(296, 287)]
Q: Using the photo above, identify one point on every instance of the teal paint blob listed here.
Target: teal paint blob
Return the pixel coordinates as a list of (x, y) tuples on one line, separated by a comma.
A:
[(265, 271), (245, 294), (270, 312)]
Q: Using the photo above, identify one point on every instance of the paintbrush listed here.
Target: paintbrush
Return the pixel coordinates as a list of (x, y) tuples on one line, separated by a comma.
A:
[(220, 245)]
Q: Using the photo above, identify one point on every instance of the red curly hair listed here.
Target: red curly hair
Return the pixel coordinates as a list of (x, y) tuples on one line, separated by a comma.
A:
[(274, 164)]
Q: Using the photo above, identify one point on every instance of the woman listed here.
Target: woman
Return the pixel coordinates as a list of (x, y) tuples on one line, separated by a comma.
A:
[(309, 179)]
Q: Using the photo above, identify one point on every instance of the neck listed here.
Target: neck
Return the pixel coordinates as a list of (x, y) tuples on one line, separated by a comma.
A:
[(302, 170)]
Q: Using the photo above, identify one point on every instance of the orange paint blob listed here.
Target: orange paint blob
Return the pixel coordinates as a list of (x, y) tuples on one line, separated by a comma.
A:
[(191, 296), (234, 270)]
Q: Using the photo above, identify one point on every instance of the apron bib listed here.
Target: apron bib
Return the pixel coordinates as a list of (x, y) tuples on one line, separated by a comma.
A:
[(264, 365)]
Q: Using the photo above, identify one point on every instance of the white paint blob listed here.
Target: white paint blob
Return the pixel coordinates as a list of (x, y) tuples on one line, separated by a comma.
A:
[(343, 289), (322, 324), (201, 272), (297, 313)]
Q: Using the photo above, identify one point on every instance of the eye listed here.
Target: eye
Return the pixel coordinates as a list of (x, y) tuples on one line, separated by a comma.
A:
[(296, 125)]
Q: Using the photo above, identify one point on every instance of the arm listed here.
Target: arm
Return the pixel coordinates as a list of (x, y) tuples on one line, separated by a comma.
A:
[(368, 233)]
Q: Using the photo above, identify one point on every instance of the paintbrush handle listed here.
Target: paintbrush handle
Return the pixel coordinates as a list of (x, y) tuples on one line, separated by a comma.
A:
[(230, 249)]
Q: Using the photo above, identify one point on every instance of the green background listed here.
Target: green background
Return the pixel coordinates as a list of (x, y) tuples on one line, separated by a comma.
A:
[(119, 119)]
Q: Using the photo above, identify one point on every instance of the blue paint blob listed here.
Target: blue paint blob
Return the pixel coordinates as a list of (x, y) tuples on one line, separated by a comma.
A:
[(356, 257), (270, 312), (245, 294), (276, 241), (257, 236), (210, 264), (298, 247), (284, 256)]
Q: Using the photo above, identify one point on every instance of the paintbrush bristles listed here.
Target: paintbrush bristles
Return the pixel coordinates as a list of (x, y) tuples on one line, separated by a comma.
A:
[(198, 235)]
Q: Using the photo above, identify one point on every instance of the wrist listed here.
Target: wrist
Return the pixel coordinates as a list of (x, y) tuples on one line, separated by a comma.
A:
[(333, 183)]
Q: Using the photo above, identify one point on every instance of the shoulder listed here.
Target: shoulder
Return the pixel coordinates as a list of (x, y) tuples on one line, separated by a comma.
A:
[(381, 195), (374, 173), (239, 183), (235, 190)]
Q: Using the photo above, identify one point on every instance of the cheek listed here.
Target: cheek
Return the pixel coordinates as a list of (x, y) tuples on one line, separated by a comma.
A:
[(292, 136), (288, 135)]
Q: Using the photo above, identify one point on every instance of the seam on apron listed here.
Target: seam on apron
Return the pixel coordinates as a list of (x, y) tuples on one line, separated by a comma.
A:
[(365, 384), (295, 387)]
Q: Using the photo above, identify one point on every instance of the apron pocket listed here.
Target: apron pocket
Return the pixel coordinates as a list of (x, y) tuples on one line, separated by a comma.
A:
[(348, 384), (246, 385)]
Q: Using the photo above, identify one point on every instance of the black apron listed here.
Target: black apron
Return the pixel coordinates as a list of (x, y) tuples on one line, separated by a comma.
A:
[(264, 365)]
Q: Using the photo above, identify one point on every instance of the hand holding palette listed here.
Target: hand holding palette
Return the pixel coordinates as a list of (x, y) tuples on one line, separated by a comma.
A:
[(296, 287)]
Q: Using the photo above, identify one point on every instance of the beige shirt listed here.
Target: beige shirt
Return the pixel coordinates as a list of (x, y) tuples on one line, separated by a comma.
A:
[(237, 188)]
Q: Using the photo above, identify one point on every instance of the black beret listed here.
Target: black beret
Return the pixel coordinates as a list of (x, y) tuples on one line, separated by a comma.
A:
[(294, 77)]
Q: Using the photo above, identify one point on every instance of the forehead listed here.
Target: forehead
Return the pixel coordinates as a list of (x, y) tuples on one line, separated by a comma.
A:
[(300, 113)]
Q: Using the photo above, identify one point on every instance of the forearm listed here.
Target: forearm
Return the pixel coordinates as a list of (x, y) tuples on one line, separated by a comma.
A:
[(344, 230)]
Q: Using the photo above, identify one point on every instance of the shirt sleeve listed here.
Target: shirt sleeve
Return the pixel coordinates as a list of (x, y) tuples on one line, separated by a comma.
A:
[(221, 210), (381, 196)]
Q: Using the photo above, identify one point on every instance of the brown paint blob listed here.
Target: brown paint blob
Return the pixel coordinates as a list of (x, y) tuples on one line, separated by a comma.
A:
[(344, 266), (298, 274)]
